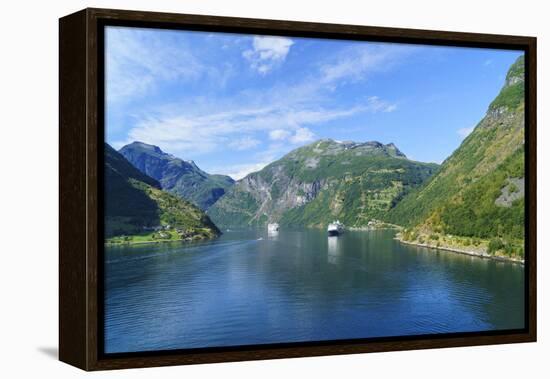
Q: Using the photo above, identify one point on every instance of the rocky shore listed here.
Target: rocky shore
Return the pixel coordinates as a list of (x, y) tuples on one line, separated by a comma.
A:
[(478, 253)]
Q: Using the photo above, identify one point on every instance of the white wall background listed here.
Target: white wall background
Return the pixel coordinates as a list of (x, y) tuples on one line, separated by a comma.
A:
[(28, 200)]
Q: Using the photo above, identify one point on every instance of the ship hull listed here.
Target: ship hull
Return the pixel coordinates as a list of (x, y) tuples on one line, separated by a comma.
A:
[(273, 228)]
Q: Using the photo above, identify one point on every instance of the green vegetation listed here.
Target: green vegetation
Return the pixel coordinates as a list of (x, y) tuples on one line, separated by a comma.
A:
[(137, 210), (317, 183), (460, 201), (510, 97), (495, 244), (159, 236), (146, 237), (511, 248), (474, 202), (477, 215), (513, 93), (122, 215), (182, 178)]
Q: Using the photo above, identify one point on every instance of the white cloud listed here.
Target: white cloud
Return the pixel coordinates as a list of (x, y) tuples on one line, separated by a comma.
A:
[(299, 136), (187, 133), (244, 143), (203, 125), (465, 132), (267, 52), (356, 63), (279, 134), (302, 135), (190, 130), (136, 60), (284, 114), (241, 170), (262, 158), (375, 104)]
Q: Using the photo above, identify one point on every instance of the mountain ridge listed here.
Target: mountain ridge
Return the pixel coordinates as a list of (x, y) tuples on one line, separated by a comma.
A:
[(180, 177), (317, 182), (477, 192)]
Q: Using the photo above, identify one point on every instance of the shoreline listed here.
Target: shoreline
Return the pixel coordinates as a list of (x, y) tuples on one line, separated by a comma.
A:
[(465, 252), (139, 242), (128, 243), (418, 244), (371, 228)]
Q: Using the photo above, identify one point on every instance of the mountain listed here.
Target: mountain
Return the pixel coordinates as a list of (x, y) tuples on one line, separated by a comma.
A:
[(134, 203), (320, 182), (177, 176), (479, 190)]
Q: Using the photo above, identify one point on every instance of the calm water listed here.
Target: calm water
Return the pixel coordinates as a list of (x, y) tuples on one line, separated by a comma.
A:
[(250, 288)]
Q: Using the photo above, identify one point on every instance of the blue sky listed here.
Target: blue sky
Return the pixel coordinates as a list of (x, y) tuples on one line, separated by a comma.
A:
[(234, 103)]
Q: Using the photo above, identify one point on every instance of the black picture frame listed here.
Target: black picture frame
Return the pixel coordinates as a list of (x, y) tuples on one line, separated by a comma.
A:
[(81, 109)]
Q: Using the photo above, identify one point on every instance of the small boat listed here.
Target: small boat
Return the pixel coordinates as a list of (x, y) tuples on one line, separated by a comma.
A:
[(335, 228), (274, 227)]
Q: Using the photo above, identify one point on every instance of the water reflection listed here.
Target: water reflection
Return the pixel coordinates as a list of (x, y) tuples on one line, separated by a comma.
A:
[(273, 234), (251, 287), (334, 250)]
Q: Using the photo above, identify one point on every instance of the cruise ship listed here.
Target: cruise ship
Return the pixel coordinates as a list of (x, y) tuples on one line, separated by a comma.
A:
[(335, 228), (273, 227)]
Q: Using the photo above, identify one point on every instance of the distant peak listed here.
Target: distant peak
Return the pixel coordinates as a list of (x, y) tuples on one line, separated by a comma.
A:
[(144, 146), (396, 151), (322, 146), (330, 140), (139, 143)]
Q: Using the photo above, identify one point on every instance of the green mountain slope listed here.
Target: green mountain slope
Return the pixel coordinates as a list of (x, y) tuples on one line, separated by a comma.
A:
[(479, 190), (177, 176), (320, 182), (135, 205)]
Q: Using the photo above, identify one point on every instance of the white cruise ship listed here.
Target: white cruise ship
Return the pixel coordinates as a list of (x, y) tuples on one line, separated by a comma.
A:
[(335, 228), (273, 227)]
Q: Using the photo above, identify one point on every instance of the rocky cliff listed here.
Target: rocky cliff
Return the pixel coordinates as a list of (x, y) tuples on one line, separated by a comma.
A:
[(322, 181)]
